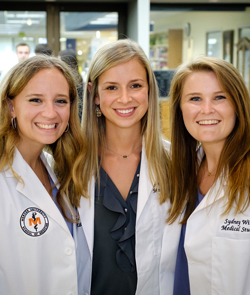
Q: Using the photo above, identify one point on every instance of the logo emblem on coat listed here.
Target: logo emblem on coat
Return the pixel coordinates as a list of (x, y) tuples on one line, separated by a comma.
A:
[(34, 222)]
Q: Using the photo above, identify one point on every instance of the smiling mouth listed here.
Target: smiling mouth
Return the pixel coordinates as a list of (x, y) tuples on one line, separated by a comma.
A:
[(125, 111), (52, 126), (208, 122)]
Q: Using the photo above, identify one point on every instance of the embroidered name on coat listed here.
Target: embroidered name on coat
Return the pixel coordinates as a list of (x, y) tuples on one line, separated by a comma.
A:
[(236, 225)]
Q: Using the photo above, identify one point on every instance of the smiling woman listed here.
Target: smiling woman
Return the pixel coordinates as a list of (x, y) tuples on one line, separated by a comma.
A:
[(210, 109), (207, 110), (124, 172), (39, 112)]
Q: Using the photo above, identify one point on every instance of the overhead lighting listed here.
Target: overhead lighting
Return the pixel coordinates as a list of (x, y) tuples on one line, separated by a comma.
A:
[(98, 34), (111, 18), (212, 41), (33, 15), (10, 15), (22, 21), (79, 52), (29, 22), (103, 21)]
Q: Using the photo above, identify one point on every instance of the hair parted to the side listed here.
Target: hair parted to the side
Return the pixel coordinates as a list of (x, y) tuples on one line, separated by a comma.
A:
[(108, 56), (66, 149), (234, 162)]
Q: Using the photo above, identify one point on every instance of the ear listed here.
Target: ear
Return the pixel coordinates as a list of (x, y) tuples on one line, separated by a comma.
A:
[(11, 107), (89, 87), (97, 99)]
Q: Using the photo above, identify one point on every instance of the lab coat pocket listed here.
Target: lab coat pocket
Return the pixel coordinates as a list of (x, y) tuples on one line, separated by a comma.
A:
[(230, 266)]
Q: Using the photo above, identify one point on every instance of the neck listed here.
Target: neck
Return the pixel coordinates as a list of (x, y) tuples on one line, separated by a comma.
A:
[(30, 155), (125, 141), (213, 153)]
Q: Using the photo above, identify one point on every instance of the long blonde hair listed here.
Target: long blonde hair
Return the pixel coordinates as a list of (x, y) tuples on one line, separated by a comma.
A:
[(234, 162), (66, 148), (94, 128)]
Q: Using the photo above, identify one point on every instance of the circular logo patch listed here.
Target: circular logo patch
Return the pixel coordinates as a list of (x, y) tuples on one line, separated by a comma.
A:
[(34, 222)]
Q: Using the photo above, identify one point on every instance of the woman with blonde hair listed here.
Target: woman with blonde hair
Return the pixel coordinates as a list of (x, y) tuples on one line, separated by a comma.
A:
[(210, 213), (124, 172), (38, 222)]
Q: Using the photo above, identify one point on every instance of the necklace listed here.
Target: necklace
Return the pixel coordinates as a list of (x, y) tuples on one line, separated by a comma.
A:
[(44, 181), (124, 156)]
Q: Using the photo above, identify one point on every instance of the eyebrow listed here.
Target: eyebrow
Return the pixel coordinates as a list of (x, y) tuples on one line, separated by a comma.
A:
[(199, 93), (134, 80), (41, 95)]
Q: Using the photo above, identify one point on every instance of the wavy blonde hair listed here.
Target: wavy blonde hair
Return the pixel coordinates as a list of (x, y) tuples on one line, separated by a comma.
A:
[(66, 148), (94, 128), (234, 162)]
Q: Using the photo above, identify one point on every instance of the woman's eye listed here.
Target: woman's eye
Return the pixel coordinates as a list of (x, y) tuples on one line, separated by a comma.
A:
[(136, 85), (35, 100), (111, 87), (195, 99), (62, 101), (220, 97)]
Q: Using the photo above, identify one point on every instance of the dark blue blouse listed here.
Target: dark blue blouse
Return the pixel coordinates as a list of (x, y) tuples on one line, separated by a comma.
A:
[(114, 266), (181, 279)]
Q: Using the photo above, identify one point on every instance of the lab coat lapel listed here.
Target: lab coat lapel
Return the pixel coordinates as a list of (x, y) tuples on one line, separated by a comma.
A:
[(86, 212), (34, 190), (145, 186), (216, 192)]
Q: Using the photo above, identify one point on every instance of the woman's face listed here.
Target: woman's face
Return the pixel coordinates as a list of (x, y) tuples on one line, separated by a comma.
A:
[(42, 109), (123, 94), (207, 110)]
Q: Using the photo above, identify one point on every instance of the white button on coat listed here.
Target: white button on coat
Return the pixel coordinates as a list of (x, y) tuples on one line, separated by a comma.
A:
[(68, 251)]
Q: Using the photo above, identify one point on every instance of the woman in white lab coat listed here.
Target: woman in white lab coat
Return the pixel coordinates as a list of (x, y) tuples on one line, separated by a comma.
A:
[(210, 214), (37, 220), (124, 172)]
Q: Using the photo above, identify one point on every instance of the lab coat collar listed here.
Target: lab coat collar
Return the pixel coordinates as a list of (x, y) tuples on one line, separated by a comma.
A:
[(86, 212), (33, 189), (216, 192), (145, 186)]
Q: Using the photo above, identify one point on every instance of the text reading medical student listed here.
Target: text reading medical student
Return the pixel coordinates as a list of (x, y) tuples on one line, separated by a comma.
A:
[(210, 215)]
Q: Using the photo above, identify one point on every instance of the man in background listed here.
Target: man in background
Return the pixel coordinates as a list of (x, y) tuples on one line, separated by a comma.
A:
[(22, 51)]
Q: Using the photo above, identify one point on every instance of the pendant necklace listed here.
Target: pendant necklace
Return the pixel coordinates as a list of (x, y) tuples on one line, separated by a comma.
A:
[(124, 156)]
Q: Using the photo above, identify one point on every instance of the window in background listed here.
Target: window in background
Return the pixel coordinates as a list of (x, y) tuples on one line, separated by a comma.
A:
[(86, 32), (19, 27)]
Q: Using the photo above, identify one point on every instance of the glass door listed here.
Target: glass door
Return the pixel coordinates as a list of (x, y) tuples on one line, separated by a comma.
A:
[(19, 27), (86, 32)]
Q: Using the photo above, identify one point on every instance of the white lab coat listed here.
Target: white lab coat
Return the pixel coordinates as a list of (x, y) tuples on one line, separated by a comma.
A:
[(150, 221), (33, 260), (217, 249)]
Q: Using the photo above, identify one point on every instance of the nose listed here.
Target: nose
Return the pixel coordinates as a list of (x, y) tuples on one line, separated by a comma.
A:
[(124, 96), (207, 107), (49, 111)]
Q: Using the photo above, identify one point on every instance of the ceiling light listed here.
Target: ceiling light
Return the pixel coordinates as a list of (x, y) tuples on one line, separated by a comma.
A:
[(29, 22)]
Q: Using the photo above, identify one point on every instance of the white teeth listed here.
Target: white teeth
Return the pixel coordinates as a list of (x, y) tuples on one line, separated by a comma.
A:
[(125, 111), (208, 122), (46, 126)]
